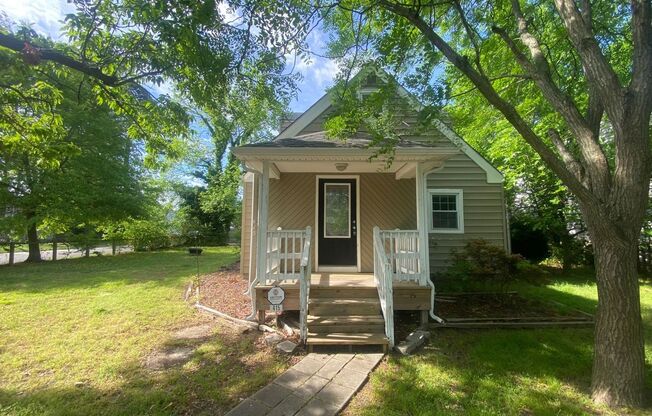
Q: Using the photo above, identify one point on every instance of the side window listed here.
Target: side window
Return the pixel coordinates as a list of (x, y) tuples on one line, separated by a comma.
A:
[(446, 210)]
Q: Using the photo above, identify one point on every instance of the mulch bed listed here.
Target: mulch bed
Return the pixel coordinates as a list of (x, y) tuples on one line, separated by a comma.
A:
[(492, 305), (225, 292), (504, 309), (492, 310)]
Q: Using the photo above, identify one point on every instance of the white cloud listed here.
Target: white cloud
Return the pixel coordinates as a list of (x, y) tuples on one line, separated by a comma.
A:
[(45, 16), (230, 16), (324, 72)]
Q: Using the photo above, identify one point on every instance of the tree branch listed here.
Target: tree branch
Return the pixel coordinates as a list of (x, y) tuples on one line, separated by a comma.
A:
[(597, 69), (568, 158), (471, 34), (485, 87), (595, 160), (17, 45), (640, 86)]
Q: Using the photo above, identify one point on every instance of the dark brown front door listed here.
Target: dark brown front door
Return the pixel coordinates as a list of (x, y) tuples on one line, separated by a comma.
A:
[(337, 223)]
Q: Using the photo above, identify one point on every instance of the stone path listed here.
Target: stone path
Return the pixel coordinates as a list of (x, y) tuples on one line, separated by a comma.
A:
[(318, 385)]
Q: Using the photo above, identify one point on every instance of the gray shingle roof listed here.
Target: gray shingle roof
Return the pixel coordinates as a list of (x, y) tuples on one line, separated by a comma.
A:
[(319, 140)]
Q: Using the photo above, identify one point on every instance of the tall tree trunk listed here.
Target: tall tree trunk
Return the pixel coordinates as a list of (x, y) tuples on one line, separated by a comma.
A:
[(619, 360), (32, 242)]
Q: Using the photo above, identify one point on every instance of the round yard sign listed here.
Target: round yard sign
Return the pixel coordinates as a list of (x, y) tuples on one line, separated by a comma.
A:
[(276, 295)]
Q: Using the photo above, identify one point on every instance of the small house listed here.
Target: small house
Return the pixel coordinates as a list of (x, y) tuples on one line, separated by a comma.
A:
[(351, 238)]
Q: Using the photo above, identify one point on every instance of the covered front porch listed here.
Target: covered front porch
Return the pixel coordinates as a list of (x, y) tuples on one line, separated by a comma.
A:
[(344, 237)]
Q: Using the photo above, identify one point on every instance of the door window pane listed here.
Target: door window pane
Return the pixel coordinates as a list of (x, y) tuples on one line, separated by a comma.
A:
[(337, 210)]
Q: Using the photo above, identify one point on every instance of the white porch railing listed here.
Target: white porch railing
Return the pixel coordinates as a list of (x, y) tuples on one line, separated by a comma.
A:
[(402, 250), (284, 254), (304, 285), (383, 276)]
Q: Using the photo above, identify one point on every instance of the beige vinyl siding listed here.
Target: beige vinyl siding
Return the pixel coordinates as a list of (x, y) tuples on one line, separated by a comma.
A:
[(387, 203), (483, 204), (292, 203)]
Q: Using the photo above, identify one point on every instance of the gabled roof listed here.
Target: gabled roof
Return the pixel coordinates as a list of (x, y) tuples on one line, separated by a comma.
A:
[(320, 140), (290, 137)]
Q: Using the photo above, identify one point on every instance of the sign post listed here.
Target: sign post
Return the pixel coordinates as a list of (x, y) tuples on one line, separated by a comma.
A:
[(275, 297)]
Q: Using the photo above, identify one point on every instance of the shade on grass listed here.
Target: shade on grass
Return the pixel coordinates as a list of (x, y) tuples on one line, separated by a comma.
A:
[(93, 321), (505, 372)]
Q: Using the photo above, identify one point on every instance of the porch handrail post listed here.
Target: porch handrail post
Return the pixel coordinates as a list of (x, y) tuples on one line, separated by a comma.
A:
[(422, 226), (263, 207), (304, 283), (383, 277)]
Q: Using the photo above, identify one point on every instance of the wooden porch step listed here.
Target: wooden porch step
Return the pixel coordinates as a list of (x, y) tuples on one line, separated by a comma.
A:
[(343, 292), (339, 338), (348, 324), (338, 307)]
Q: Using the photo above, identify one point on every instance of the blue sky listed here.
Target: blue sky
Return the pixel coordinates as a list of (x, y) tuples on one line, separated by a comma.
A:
[(46, 17)]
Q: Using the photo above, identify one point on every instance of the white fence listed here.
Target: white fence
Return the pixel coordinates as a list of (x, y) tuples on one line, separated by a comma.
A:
[(284, 254), (402, 250)]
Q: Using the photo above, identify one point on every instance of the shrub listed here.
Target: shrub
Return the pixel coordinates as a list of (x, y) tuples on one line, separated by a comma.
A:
[(528, 241), (146, 235), (485, 263)]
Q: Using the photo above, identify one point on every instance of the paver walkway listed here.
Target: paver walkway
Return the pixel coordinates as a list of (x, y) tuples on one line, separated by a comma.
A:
[(318, 385)]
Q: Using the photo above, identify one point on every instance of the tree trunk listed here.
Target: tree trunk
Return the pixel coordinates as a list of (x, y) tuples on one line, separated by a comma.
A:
[(619, 360), (32, 242)]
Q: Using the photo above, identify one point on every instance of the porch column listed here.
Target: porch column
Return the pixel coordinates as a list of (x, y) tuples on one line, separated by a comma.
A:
[(261, 235), (422, 224)]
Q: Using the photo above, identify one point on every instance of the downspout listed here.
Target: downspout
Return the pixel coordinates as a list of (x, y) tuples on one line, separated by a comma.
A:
[(432, 303), (421, 185)]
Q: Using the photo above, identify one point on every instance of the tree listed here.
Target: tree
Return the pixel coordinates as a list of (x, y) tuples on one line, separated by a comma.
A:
[(124, 50), (203, 51), (536, 197), (583, 62), (213, 206), (66, 160)]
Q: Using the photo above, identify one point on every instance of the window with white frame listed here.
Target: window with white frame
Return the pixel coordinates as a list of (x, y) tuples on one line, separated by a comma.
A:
[(446, 210)]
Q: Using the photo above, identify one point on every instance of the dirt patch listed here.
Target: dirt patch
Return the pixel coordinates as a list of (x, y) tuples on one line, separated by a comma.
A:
[(161, 360), (493, 305), (225, 291), (194, 332)]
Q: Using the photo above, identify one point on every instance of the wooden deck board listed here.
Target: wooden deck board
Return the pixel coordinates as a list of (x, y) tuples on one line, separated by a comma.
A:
[(351, 280), (407, 295)]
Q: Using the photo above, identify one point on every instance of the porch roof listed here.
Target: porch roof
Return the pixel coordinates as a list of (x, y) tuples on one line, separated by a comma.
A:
[(316, 153), (319, 140)]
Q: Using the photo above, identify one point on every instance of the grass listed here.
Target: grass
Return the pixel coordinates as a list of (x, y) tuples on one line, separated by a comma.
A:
[(506, 372), (93, 321)]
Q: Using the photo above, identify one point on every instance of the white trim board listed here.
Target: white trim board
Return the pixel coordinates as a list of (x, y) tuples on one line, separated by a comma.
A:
[(358, 266)]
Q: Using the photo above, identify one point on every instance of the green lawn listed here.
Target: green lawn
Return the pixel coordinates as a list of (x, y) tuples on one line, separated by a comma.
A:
[(94, 321), (506, 372)]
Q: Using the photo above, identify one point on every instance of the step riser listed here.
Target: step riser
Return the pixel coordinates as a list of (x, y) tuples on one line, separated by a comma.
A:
[(343, 310), (342, 293), (340, 338), (351, 329)]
